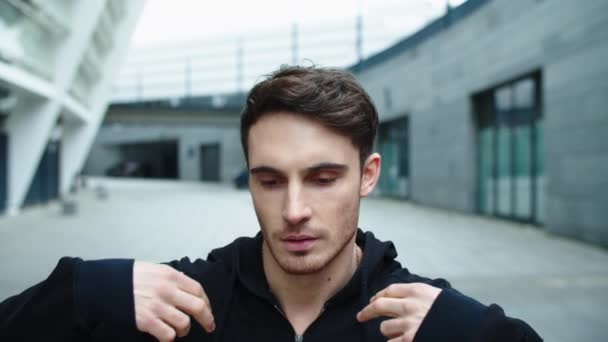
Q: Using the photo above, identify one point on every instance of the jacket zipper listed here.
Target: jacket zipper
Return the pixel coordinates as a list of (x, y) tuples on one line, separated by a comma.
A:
[(299, 338)]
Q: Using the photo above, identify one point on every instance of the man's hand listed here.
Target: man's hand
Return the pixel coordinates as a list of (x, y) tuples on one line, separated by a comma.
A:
[(408, 304), (164, 299)]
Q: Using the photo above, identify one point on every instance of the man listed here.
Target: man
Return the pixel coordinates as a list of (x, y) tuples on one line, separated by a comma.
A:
[(309, 275)]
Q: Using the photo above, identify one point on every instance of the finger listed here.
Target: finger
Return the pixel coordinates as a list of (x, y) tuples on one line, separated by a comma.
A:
[(396, 291), (395, 327), (162, 331), (191, 286), (399, 339), (388, 307), (179, 321), (406, 337), (196, 307)]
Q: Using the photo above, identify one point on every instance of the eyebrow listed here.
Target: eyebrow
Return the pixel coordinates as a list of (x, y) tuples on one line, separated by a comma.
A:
[(263, 169), (317, 167), (328, 166)]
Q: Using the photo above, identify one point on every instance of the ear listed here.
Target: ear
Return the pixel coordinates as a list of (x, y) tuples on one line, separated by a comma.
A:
[(370, 174)]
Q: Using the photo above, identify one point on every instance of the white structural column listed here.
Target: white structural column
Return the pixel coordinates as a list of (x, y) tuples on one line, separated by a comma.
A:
[(28, 129), (71, 54), (78, 137), (86, 42), (31, 124)]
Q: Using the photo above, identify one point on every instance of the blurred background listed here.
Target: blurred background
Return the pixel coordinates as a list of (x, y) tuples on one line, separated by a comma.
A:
[(119, 136)]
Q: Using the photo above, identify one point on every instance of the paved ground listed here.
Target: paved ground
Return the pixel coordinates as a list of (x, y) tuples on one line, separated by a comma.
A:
[(559, 286)]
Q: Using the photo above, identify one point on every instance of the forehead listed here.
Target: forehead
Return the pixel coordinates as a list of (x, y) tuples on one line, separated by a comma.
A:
[(286, 140)]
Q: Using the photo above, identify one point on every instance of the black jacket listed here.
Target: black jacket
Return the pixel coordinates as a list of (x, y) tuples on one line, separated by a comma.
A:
[(93, 301)]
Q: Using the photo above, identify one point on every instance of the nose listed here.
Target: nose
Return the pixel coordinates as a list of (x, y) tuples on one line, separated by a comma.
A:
[(295, 210)]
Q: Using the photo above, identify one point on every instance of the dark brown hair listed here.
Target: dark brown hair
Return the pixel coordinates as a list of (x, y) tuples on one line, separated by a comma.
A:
[(331, 96)]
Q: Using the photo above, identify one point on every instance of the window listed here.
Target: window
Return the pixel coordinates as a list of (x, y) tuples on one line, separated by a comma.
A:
[(509, 162), (393, 145)]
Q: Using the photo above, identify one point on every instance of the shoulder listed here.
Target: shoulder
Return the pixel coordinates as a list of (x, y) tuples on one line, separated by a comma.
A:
[(403, 275), (381, 265), (221, 259)]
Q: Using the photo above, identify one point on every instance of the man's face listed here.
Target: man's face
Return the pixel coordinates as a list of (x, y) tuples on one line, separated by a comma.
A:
[(306, 186)]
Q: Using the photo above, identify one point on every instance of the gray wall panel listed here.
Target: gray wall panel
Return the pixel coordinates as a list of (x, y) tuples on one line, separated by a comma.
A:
[(433, 83)]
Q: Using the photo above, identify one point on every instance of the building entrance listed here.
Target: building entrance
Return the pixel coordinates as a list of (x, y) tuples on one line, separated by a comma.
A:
[(509, 150), (210, 162), (45, 183), (393, 145)]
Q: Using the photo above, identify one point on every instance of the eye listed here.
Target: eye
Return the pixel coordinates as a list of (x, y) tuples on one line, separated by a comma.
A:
[(323, 178), (270, 182)]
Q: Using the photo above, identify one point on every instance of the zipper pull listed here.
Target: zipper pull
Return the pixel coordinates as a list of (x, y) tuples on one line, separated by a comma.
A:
[(276, 306), (299, 338)]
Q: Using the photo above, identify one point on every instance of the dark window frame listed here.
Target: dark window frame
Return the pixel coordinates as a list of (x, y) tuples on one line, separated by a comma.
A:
[(483, 119)]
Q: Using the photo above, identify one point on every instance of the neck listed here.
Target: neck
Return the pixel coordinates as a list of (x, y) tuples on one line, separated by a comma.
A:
[(302, 297)]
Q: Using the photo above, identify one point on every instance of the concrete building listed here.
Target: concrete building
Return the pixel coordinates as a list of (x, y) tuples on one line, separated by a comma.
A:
[(57, 61), (497, 108), (195, 138), (500, 108)]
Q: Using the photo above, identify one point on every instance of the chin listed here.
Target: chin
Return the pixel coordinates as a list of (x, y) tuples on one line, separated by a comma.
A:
[(302, 264)]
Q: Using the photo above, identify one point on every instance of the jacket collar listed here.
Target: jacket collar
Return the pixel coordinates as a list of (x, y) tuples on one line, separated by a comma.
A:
[(245, 257)]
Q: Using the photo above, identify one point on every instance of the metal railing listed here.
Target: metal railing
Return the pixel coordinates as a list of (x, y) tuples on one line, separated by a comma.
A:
[(233, 63)]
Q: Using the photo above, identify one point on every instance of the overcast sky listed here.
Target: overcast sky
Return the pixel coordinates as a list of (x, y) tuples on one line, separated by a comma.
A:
[(191, 47), (185, 20)]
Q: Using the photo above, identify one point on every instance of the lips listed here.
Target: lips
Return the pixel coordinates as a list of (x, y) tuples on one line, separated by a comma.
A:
[(299, 242)]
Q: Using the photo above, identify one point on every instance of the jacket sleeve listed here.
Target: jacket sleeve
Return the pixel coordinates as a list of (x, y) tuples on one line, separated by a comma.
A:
[(456, 317), (67, 306)]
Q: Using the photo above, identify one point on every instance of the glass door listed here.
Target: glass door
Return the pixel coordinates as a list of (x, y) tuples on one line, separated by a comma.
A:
[(393, 140), (509, 151)]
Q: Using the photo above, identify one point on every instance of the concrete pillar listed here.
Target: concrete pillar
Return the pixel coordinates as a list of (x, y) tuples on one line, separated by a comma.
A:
[(28, 128), (31, 123), (78, 138)]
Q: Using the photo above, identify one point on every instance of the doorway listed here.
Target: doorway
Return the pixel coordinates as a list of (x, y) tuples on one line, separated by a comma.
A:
[(210, 162), (509, 150), (45, 183), (393, 145)]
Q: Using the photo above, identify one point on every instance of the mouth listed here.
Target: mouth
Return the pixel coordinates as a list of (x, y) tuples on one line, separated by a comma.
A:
[(299, 243)]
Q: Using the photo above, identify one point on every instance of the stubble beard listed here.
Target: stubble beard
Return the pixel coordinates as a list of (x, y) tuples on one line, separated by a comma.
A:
[(310, 262)]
